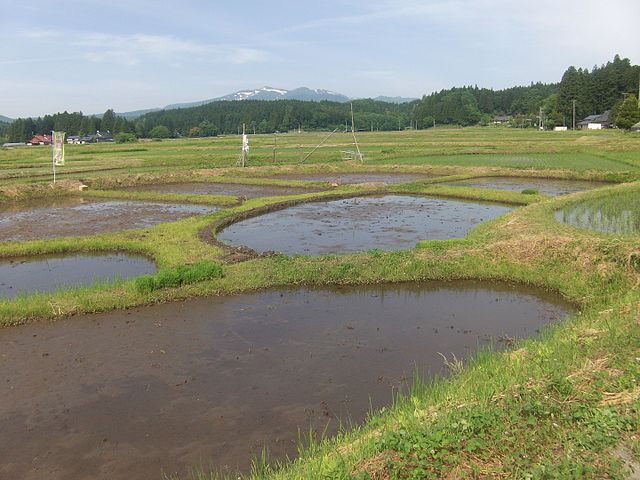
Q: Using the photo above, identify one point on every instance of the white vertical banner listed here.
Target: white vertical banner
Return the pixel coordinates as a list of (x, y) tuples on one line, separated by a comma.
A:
[(57, 142), (245, 143)]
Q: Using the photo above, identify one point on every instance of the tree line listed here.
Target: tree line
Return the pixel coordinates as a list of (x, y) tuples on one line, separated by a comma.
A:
[(23, 129), (262, 116), (594, 91), (603, 88)]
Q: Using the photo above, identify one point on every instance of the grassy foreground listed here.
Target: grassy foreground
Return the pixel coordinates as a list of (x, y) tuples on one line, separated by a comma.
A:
[(566, 405)]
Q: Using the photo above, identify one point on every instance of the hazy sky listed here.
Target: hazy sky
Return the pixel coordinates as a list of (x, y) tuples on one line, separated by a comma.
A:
[(132, 54)]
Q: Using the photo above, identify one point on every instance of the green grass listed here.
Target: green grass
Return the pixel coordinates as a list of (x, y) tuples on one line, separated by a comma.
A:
[(612, 212), (610, 151), (181, 275), (558, 406)]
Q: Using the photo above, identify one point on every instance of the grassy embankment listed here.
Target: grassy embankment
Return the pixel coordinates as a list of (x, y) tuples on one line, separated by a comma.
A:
[(563, 406)]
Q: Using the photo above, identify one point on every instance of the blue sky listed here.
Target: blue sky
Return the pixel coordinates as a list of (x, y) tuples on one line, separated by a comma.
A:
[(89, 56)]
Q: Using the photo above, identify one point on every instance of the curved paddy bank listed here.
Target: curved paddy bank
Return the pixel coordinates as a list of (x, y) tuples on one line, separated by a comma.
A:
[(157, 390)]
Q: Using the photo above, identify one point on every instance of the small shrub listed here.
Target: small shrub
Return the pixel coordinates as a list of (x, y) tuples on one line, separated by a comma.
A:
[(145, 284), (126, 138), (175, 277), (530, 191), (168, 278), (199, 271)]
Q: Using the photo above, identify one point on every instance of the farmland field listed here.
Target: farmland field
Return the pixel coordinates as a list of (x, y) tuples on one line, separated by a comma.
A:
[(188, 354), (610, 151)]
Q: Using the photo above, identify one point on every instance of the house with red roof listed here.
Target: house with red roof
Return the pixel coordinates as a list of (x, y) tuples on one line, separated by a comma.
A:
[(40, 140)]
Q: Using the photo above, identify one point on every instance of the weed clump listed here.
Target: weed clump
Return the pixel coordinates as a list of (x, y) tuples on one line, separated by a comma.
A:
[(182, 275), (530, 191)]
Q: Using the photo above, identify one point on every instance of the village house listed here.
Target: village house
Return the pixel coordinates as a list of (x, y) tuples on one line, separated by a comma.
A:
[(40, 140), (99, 137), (595, 122)]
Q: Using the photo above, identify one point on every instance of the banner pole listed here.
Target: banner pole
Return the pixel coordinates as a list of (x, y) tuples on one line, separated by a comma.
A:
[(53, 157)]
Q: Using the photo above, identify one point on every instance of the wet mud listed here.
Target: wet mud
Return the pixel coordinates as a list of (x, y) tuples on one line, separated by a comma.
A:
[(161, 389), (77, 217), (388, 222), (347, 178), (548, 186), (232, 189), (47, 273)]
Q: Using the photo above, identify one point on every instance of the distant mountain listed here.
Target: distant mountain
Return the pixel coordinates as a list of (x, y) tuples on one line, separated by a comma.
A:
[(5, 119), (267, 93), (382, 98), (270, 93), (264, 93), (134, 114)]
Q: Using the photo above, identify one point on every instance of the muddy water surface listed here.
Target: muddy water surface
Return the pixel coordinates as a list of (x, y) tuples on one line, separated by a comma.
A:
[(211, 381), (343, 178), (50, 273), (77, 217), (233, 189), (355, 224), (547, 186)]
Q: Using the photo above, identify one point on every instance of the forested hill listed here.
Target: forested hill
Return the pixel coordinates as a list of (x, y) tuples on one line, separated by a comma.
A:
[(594, 91), (262, 116), (473, 105), (602, 88)]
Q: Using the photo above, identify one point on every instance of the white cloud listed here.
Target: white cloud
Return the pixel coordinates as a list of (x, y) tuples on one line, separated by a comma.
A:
[(137, 48)]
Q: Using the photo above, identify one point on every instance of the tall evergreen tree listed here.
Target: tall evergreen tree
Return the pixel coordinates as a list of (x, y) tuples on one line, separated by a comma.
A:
[(108, 120)]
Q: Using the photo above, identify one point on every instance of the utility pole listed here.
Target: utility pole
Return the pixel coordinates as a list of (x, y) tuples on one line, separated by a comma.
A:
[(574, 115)]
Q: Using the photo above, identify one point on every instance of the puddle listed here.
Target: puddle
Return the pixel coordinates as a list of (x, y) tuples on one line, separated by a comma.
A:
[(390, 222), (343, 178), (233, 189), (50, 273), (210, 381), (617, 213), (543, 185), (78, 217)]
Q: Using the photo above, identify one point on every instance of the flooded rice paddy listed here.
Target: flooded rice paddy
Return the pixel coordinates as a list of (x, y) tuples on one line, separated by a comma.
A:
[(389, 222), (547, 186), (232, 189), (160, 389), (78, 217), (617, 213), (49, 273), (346, 178)]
